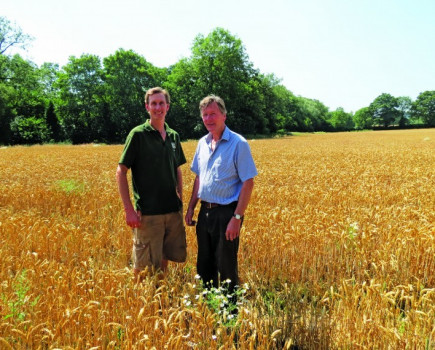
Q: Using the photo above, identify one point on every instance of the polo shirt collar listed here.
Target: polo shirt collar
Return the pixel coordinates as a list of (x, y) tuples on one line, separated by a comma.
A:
[(149, 127)]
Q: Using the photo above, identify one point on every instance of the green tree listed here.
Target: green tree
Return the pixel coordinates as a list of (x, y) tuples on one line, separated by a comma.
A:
[(7, 113), (11, 35), (423, 108), (12, 69), (313, 115), (404, 105), (127, 75), (223, 68), (29, 130), (183, 84), (384, 110), (363, 118), (340, 120), (283, 110), (52, 122), (20, 95), (219, 65), (81, 104), (48, 75)]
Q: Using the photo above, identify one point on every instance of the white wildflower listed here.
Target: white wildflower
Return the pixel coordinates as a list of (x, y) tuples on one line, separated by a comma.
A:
[(354, 226)]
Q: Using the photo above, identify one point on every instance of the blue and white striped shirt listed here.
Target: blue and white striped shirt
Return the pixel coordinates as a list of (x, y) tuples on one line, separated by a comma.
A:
[(222, 171)]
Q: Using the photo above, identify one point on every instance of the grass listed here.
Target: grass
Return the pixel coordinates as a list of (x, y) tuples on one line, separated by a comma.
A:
[(70, 186)]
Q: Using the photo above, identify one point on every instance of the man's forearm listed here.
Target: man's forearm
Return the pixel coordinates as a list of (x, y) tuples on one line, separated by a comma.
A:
[(194, 197), (124, 192), (180, 183), (245, 196)]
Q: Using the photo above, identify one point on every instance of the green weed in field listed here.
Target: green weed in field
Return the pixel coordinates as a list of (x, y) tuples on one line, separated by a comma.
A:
[(70, 186), (20, 306)]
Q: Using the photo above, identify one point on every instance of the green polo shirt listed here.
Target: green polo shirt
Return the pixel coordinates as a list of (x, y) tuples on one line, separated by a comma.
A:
[(153, 163)]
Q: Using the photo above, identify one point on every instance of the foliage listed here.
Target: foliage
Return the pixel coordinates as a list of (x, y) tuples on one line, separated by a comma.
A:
[(184, 116), (48, 75), (127, 76), (424, 108), (70, 186), (20, 94), (312, 115), (384, 110), (29, 130), (219, 65), (94, 100), (12, 36), (20, 305), (284, 109), (404, 104), (15, 76), (363, 118), (52, 123), (7, 113), (81, 99), (340, 120), (222, 303)]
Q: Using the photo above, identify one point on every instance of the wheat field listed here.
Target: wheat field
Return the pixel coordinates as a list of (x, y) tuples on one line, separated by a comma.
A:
[(337, 251)]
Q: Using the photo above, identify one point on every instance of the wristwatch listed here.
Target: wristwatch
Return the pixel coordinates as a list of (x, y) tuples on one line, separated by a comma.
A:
[(237, 216)]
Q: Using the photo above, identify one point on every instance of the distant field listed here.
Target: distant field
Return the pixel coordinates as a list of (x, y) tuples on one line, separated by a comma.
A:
[(337, 251)]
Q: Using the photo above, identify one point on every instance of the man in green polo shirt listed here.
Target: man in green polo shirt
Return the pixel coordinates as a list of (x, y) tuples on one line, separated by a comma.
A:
[(153, 153)]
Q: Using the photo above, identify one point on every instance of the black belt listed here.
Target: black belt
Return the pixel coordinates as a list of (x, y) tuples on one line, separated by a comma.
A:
[(209, 205)]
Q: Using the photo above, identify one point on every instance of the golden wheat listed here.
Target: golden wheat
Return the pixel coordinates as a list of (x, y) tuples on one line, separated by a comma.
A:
[(338, 250)]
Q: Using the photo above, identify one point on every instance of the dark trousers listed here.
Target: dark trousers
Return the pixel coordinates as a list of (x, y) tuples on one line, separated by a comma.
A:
[(217, 256)]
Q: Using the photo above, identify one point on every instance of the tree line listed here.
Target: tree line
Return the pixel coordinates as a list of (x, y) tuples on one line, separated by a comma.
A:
[(101, 100)]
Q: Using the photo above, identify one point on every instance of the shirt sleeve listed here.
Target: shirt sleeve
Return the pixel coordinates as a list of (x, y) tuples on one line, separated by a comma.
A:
[(245, 163), (195, 164), (129, 152), (181, 159)]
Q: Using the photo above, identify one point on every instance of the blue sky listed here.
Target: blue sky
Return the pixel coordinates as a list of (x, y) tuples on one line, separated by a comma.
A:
[(343, 53)]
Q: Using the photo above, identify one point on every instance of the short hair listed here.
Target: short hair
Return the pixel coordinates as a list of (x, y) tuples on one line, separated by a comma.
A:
[(207, 101), (157, 90)]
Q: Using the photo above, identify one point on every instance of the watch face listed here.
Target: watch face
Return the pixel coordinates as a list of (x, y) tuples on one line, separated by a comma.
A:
[(237, 216)]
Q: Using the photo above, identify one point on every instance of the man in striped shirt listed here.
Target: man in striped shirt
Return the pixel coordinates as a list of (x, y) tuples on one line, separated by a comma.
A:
[(225, 172)]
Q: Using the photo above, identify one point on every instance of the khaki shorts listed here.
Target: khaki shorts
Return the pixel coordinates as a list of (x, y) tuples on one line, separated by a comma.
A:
[(159, 237)]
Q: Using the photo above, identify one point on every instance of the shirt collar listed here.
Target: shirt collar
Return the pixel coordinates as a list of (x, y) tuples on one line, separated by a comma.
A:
[(149, 127), (225, 135)]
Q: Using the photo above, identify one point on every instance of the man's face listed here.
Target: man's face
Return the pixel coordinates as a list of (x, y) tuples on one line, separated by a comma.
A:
[(157, 106), (213, 118)]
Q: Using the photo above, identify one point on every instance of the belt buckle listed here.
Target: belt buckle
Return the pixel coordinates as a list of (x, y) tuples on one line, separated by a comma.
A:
[(208, 205)]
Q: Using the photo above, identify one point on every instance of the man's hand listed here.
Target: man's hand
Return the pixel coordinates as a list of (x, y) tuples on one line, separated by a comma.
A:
[(189, 216), (233, 229), (133, 218)]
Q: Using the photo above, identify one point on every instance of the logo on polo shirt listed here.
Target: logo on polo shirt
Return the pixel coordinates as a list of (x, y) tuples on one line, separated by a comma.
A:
[(174, 146)]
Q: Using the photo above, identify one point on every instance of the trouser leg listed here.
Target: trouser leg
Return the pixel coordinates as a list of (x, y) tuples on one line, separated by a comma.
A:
[(216, 254), (227, 250), (206, 264)]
